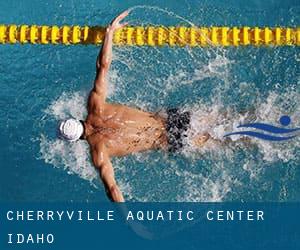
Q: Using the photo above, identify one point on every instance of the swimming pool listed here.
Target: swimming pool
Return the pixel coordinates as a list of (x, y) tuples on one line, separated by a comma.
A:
[(42, 84)]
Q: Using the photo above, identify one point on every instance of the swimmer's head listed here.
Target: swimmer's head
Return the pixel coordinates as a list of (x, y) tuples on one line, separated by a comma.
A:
[(70, 130)]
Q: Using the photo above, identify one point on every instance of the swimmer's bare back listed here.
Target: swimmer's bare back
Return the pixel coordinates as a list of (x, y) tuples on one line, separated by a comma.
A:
[(113, 129), (123, 130)]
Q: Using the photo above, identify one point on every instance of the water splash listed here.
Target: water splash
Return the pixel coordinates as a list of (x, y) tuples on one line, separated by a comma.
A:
[(214, 84), (192, 185), (74, 158)]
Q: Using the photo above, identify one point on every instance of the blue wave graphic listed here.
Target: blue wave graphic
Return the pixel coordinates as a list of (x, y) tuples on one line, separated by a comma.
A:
[(269, 128), (262, 136), (284, 121)]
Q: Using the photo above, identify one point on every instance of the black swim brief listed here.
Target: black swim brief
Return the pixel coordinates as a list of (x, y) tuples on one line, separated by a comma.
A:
[(177, 125)]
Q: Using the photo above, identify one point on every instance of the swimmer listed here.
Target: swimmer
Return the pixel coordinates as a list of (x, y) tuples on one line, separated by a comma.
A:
[(114, 130)]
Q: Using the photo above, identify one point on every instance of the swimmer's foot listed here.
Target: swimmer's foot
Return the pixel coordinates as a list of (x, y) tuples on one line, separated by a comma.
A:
[(200, 140)]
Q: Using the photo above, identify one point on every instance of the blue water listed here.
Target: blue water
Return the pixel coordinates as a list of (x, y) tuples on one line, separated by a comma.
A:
[(42, 84)]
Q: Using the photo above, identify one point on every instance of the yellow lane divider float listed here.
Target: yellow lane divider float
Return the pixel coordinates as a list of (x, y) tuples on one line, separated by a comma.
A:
[(152, 36)]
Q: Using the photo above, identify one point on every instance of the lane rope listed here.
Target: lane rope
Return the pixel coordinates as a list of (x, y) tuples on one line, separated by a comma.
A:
[(152, 35)]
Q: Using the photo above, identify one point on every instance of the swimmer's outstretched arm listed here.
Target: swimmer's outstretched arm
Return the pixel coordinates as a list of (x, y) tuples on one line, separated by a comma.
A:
[(103, 164), (105, 56)]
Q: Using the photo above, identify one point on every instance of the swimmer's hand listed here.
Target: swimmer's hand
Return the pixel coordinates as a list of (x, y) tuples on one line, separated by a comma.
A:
[(115, 24)]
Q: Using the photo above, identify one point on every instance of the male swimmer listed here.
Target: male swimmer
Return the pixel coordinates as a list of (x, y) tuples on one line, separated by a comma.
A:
[(117, 130)]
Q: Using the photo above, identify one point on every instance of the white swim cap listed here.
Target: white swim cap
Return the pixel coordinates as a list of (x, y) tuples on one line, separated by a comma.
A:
[(70, 130)]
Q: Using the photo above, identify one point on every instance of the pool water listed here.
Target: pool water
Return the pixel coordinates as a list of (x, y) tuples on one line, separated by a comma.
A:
[(42, 84)]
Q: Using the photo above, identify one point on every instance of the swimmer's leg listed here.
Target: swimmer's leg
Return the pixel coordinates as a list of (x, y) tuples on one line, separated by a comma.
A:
[(200, 140)]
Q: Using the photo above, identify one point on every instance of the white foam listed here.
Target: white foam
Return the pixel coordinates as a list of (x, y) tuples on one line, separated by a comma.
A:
[(216, 121), (200, 188), (68, 105), (72, 157), (271, 110)]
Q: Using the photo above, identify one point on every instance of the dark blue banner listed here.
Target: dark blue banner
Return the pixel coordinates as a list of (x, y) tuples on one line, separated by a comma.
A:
[(150, 226)]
